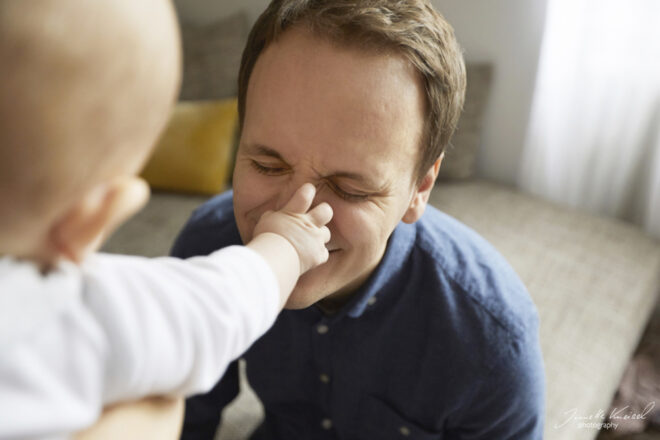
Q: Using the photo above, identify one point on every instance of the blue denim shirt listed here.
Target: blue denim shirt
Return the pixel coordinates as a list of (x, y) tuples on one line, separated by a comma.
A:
[(441, 342)]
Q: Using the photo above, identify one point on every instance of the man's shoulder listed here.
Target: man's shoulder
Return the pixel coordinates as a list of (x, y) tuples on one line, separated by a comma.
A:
[(210, 227), (484, 320), (474, 274), (218, 209)]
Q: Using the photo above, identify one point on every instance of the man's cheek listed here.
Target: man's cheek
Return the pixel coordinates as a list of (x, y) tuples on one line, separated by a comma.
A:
[(249, 221), (248, 213), (348, 227), (352, 219), (258, 191)]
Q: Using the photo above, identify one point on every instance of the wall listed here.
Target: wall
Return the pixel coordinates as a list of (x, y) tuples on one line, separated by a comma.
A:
[(505, 32)]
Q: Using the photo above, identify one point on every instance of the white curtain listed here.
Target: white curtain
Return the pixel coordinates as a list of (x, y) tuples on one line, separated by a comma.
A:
[(594, 135)]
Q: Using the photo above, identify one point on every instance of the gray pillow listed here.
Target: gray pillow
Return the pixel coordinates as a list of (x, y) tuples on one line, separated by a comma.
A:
[(212, 57), (460, 155)]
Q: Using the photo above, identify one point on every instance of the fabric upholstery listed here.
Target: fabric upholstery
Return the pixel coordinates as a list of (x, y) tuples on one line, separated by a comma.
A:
[(460, 155), (212, 57)]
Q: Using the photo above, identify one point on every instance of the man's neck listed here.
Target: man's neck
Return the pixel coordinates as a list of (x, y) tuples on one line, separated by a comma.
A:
[(331, 304)]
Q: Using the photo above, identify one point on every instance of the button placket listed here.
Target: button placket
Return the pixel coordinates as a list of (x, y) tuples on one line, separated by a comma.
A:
[(326, 424), (322, 340)]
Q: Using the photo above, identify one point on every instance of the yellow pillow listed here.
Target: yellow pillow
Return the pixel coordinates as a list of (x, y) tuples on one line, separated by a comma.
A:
[(194, 152)]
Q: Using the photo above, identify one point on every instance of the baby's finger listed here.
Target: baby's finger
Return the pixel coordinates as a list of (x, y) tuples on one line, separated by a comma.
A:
[(301, 200), (325, 234), (321, 214)]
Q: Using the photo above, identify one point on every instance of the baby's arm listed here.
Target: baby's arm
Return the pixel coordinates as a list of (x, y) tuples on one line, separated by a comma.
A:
[(133, 327), (188, 319)]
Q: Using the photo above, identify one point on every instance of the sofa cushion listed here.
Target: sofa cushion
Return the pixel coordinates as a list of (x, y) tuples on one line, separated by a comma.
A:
[(212, 56), (195, 151), (460, 155)]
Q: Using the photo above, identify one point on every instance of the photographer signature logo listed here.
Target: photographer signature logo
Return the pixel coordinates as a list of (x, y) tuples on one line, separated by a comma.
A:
[(603, 420)]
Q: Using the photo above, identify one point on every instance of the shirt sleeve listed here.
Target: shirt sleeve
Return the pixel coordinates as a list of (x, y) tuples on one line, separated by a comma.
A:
[(173, 326), (509, 402)]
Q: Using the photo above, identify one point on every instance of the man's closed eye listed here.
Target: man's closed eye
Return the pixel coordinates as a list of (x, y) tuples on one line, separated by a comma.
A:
[(268, 169), (346, 195)]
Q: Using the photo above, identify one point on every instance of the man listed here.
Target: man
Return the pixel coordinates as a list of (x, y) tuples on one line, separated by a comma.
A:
[(415, 327)]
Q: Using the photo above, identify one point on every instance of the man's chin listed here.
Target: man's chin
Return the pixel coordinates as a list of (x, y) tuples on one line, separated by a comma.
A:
[(318, 284), (309, 290), (293, 304)]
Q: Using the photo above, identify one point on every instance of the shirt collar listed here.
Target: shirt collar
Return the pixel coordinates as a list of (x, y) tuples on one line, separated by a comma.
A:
[(387, 272)]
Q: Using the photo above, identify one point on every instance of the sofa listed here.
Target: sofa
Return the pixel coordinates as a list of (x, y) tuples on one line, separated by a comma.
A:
[(595, 281)]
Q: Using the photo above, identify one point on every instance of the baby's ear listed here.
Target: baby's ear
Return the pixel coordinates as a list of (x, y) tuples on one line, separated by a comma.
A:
[(83, 228)]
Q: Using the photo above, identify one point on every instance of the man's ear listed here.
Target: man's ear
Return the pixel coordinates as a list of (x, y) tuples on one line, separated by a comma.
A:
[(422, 193), (84, 227)]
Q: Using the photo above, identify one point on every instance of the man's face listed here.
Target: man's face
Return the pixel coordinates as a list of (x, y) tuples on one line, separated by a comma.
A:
[(350, 123)]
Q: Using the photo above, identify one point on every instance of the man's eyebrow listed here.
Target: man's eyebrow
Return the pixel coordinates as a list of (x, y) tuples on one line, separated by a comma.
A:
[(352, 176), (262, 150)]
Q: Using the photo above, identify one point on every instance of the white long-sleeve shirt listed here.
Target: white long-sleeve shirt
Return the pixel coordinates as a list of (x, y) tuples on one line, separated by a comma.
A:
[(119, 328)]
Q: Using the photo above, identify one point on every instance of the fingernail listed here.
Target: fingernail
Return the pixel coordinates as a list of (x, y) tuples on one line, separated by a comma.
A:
[(309, 187)]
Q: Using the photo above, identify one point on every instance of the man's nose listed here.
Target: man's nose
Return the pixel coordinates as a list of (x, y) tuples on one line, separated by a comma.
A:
[(287, 191)]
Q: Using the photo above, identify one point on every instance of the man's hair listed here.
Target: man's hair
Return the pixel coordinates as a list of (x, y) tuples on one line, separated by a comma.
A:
[(411, 28)]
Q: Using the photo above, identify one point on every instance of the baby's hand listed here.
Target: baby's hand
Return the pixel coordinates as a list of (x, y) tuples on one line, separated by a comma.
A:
[(304, 229)]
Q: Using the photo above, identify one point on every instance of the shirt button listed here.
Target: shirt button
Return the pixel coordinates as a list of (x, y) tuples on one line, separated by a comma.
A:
[(326, 423), (371, 301), (322, 329), (324, 378), (404, 431)]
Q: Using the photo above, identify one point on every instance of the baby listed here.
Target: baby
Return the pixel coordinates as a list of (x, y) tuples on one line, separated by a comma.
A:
[(85, 89)]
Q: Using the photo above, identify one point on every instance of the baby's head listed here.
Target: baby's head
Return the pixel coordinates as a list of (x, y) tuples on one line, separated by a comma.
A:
[(85, 89)]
